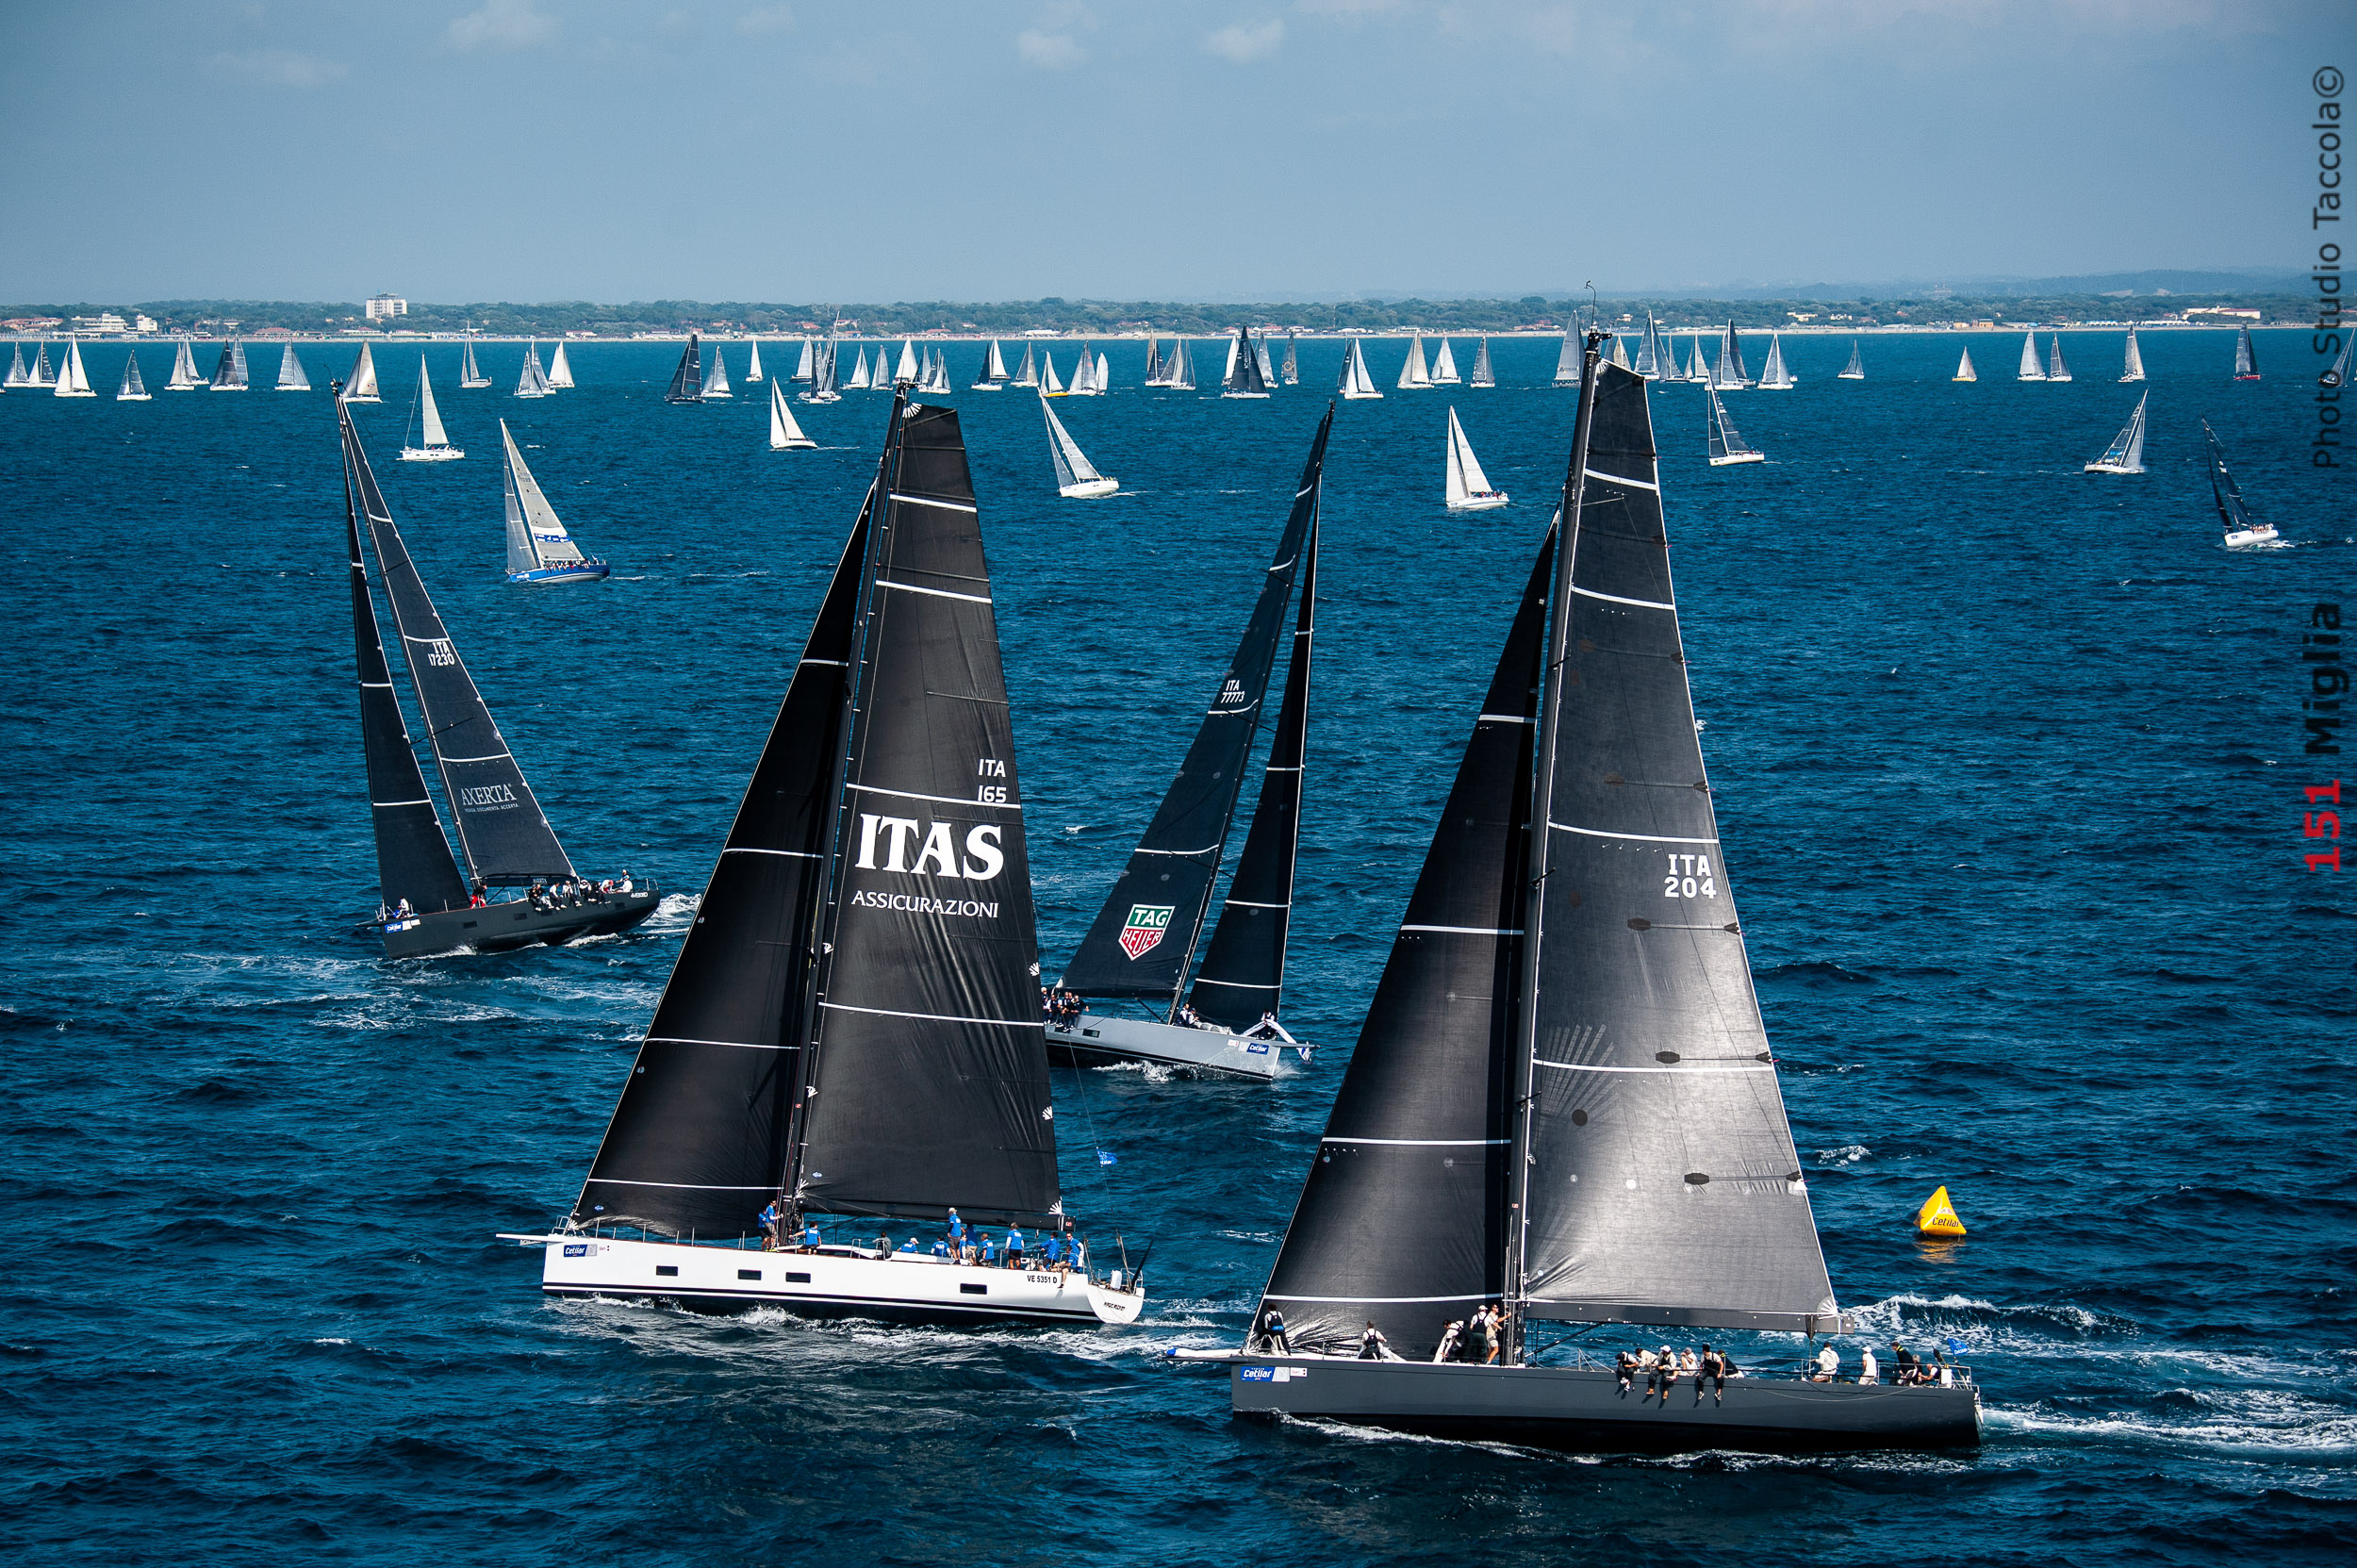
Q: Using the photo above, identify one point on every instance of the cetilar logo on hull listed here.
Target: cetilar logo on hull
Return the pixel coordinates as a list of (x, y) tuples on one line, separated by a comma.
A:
[(909, 846)]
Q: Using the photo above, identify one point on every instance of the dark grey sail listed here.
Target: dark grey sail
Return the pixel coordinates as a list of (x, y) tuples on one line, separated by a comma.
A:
[(1145, 936), (1242, 973), (2234, 513), (687, 381), (229, 372), (1484, 374), (413, 859), (927, 1081), (1403, 1216), (697, 1145), (1245, 375), (1153, 360), (1661, 1184), (506, 838), (1291, 374), (2245, 357)]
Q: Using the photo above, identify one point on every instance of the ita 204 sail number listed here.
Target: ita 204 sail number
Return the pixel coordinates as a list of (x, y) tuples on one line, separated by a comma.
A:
[(1689, 877)]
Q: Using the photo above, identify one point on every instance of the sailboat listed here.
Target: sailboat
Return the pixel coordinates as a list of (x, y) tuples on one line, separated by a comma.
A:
[(1468, 489), (1726, 447), (2135, 368), (1964, 369), (1563, 1077), (1412, 374), (2031, 369), (852, 1029), (74, 380), (1567, 362), (1049, 385), (1027, 375), (1444, 367), (1620, 354), (1357, 386), (717, 377), (291, 375), (823, 377), (18, 375), (785, 435), (133, 389), (1856, 369), (805, 362), (1178, 370), (183, 377), (2126, 453), (1655, 361), (1104, 371), (994, 370), (1154, 377), (752, 370), (1084, 383), (2337, 375), (2242, 531), (470, 374), (1143, 944), (1290, 376), (1697, 367), (1076, 478), (1259, 350), (859, 381), (436, 448), (229, 372), (1484, 374), (2055, 369), (561, 372), (43, 377), (506, 839), (1774, 377), (937, 384), (359, 387), (2245, 357), (687, 376), (539, 548), (532, 382), (1244, 377), (907, 369), (1731, 374)]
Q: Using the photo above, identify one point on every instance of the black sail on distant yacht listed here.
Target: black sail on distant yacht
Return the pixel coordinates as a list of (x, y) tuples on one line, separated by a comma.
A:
[(1563, 1100), (1220, 1016), (853, 1027), (687, 381), (426, 906)]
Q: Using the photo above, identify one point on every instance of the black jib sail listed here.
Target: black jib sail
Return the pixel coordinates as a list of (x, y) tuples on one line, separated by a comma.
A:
[(1659, 1181), (1147, 933), (925, 1084), (1403, 1219), (1242, 974), (698, 1142), (413, 859), (687, 381), (2234, 513), (1244, 374), (506, 839)]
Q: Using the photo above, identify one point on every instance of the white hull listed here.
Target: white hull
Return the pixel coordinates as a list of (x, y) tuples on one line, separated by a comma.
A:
[(1845, 376), (2254, 538), (1089, 489), (1243, 394), (1739, 457), (1487, 503), (805, 444), (135, 397), (2112, 468), (1093, 1039), (1363, 397), (832, 1281), (430, 453)]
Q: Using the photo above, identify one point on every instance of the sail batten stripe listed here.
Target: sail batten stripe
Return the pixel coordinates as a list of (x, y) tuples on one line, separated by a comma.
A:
[(936, 593), (1641, 837), (1236, 985), (1421, 1143), (1142, 850), (676, 1186), (790, 854), (493, 756), (928, 501), (1616, 599), (935, 1017), (388, 805), (733, 1044), (1507, 718), (1255, 904), (944, 799), (1588, 1068), (1620, 479), (1471, 930)]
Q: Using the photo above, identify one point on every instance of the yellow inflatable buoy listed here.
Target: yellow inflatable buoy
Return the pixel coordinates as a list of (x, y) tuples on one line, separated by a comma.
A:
[(1937, 1218)]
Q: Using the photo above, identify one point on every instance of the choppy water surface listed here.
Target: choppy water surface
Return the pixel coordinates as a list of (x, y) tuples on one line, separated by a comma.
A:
[(2008, 770)]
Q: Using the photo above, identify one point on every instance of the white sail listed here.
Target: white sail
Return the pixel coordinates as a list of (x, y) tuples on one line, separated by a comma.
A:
[(362, 387), (18, 375), (435, 435), (804, 365), (2135, 371), (1268, 371), (184, 376), (1413, 373), (561, 373), (1620, 354), (785, 435), (859, 372), (291, 377), (1483, 374), (2031, 369), (1227, 371), (752, 371), (994, 370), (1104, 374), (1567, 363), (1964, 369), (907, 369), (716, 376), (536, 539), (1774, 377), (1856, 369), (72, 380), (1076, 478), (1730, 375), (2337, 375), (1084, 382), (2126, 453), (1356, 384), (1049, 384), (44, 376), (2055, 369), (1698, 368), (1444, 367), (133, 389), (470, 374), (1178, 370), (1468, 487), (1725, 445), (533, 381)]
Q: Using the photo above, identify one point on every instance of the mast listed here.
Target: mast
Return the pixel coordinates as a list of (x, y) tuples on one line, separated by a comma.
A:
[(561, 370), (536, 536), (1483, 374)]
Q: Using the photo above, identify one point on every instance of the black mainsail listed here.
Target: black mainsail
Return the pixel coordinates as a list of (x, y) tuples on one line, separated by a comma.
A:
[(1243, 367), (1403, 1219), (1145, 937), (506, 839), (2245, 357), (687, 381)]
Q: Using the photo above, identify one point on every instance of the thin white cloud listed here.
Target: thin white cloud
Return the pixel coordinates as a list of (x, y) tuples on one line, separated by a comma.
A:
[(1049, 51), (1352, 11), (765, 19), (502, 24), (280, 68), (1245, 42)]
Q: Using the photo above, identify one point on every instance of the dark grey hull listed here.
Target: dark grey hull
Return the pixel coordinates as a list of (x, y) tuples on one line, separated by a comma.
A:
[(1567, 1407), (503, 927)]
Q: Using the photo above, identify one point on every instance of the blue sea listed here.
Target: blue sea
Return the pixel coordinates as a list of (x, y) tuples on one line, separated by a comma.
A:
[(2009, 769)]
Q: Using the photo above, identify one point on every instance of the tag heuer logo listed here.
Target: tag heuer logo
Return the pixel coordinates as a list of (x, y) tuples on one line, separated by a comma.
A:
[(1143, 932)]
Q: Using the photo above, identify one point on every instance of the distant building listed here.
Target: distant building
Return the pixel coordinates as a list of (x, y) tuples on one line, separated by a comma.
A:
[(2231, 313), (106, 321), (384, 306)]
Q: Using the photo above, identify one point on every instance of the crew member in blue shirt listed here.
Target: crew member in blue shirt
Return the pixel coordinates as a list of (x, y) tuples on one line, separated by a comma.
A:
[(1015, 1246), (957, 1234)]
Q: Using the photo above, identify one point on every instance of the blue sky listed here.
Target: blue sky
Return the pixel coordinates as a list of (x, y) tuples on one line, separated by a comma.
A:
[(457, 150)]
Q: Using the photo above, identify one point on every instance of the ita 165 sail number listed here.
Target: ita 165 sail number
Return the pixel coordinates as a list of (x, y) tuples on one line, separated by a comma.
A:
[(991, 794)]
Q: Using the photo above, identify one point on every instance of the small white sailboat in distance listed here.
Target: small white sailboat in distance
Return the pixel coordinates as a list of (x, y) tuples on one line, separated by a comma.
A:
[(1049, 385), (1725, 445), (2031, 369), (1731, 374), (1076, 478), (1445, 366), (2242, 531), (436, 448), (470, 374), (1084, 383), (1357, 384), (715, 383), (752, 371), (2055, 369), (1178, 370), (291, 375), (1964, 369), (1469, 489), (539, 548), (133, 389), (2126, 453), (533, 381), (1697, 367), (907, 369), (1027, 375), (18, 375), (993, 375), (859, 374), (1413, 375), (184, 376), (229, 374), (72, 380), (561, 372), (1856, 369), (1484, 374), (2135, 371), (43, 377), (785, 435), (360, 387), (1567, 361), (1774, 377)]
